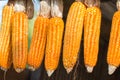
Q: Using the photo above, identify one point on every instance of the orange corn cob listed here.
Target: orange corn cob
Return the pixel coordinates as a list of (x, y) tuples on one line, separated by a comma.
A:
[(54, 42), (113, 55), (37, 47), (5, 47), (19, 40), (73, 34), (91, 36)]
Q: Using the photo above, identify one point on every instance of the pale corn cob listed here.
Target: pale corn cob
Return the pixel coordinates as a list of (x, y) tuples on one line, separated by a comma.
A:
[(37, 47), (113, 55), (19, 40), (5, 47), (73, 34), (91, 37), (53, 46)]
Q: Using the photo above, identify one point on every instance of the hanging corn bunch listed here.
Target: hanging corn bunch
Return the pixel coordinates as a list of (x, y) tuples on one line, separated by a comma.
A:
[(37, 47), (113, 55), (73, 34), (5, 47), (91, 34), (54, 37), (19, 37)]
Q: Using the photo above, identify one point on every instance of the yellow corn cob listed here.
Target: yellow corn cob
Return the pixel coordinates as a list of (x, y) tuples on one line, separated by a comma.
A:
[(19, 40), (73, 34), (91, 36), (5, 47), (54, 42), (37, 47), (113, 55)]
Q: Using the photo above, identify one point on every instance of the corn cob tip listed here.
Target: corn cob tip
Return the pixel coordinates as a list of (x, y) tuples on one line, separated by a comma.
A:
[(4, 69), (111, 69), (89, 69), (50, 72), (31, 68), (69, 70), (18, 70)]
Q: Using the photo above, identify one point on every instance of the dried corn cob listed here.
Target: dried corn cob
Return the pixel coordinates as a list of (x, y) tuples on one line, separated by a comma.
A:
[(91, 36), (37, 47), (19, 40), (5, 47), (113, 55), (53, 47), (73, 34), (54, 37)]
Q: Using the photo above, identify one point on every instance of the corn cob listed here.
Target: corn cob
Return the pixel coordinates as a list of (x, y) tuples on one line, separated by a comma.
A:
[(91, 36), (37, 47), (113, 55), (5, 47), (54, 37), (54, 42), (91, 33), (19, 40), (73, 34)]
